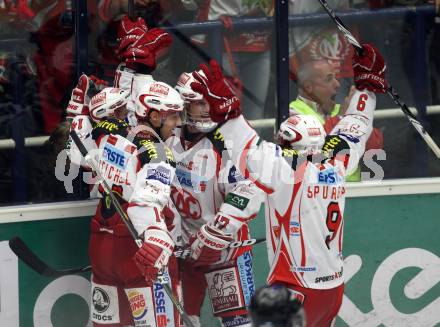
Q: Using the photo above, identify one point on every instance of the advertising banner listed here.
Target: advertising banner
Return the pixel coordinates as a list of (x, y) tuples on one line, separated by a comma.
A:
[(392, 267)]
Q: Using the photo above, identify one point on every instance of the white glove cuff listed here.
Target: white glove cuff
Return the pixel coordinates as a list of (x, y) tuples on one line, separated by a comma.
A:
[(210, 240), (159, 238)]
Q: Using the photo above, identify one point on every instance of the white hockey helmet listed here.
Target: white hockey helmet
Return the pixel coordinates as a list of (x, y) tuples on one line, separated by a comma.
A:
[(104, 104), (199, 119), (184, 87), (158, 96), (302, 133)]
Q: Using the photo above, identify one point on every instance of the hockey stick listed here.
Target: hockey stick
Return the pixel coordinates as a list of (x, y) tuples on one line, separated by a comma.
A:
[(127, 221), (390, 91), (25, 254)]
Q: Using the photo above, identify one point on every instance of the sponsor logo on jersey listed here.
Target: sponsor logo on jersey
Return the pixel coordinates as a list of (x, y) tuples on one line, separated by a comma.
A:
[(236, 200), (244, 264), (101, 300), (163, 307), (114, 156), (234, 176), (330, 176), (236, 321), (103, 309), (223, 290), (137, 304), (193, 181), (303, 269), (294, 228), (323, 279), (289, 153), (150, 148), (107, 125), (160, 174)]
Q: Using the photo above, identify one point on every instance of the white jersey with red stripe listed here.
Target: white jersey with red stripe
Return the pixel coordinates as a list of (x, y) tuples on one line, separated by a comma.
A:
[(209, 190), (304, 205)]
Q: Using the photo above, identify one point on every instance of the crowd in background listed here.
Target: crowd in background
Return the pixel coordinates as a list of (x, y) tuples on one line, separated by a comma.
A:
[(37, 65)]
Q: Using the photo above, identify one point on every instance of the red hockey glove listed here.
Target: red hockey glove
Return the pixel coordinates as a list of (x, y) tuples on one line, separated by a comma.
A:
[(152, 45), (223, 101), (207, 248), (369, 70), (154, 253), (130, 32), (79, 101)]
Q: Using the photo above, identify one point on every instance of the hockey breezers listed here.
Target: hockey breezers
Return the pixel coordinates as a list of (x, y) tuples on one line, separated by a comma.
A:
[(390, 91), (25, 254), (127, 221)]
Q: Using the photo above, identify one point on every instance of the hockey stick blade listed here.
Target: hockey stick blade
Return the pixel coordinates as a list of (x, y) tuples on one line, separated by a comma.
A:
[(25, 254)]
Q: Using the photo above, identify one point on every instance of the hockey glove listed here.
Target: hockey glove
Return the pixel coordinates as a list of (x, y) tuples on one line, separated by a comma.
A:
[(130, 32), (79, 102), (218, 92), (207, 248), (369, 70), (154, 253), (151, 45)]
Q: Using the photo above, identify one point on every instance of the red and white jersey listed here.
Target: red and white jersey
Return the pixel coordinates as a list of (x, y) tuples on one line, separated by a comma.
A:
[(208, 189), (304, 200), (138, 170)]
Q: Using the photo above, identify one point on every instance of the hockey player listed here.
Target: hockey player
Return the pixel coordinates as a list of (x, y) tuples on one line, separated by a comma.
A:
[(215, 203), (139, 168), (305, 205)]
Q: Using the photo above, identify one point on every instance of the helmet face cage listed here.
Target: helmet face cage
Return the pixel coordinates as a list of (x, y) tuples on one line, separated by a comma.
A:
[(200, 121), (302, 133)]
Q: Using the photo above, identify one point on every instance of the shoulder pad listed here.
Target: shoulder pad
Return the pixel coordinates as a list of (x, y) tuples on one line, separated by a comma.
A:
[(150, 151), (110, 126), (217, 140), (333, 145)]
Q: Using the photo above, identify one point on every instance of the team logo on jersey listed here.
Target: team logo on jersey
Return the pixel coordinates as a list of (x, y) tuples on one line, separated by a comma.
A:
[(160, 174), (138, 304), (114, 156), (187, 205), (330, 176)]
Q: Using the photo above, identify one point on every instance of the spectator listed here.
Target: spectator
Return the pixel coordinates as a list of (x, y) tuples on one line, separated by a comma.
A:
[(247, 57), (321, 42), (318, 87)]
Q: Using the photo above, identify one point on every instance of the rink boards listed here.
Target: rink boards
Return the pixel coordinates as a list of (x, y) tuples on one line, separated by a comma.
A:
[(391, 247)]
